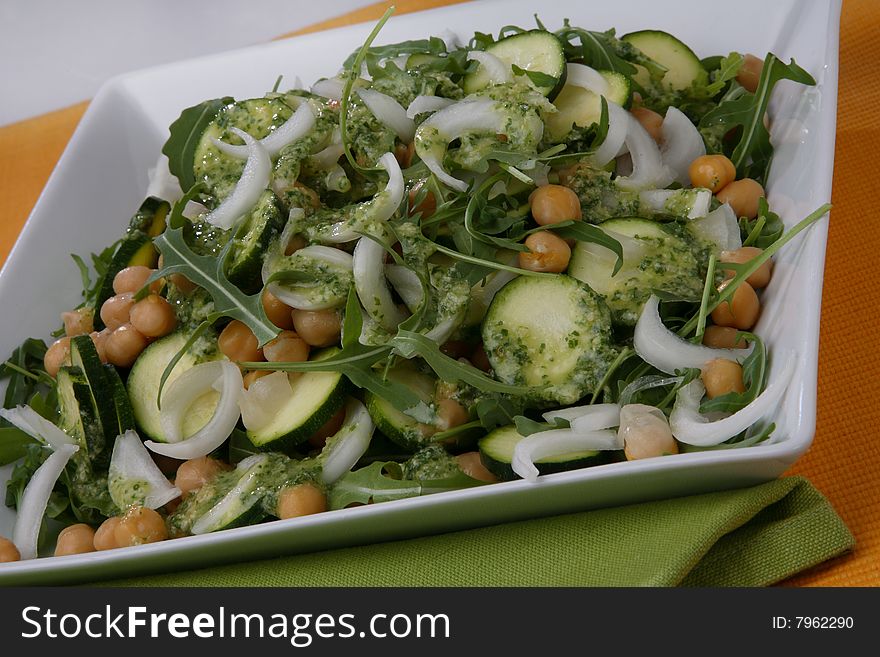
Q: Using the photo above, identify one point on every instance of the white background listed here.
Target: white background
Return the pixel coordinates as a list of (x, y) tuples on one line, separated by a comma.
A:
[(54, 53)]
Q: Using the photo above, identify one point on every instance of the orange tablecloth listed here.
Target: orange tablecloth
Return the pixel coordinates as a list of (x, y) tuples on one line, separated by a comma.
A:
[(844, 462)]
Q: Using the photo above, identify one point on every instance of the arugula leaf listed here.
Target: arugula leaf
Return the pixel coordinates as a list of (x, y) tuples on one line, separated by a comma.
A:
[(186, 132), (13, 444), (601, 50), (537, 78), (754, 374), (526, 426), (753, 150), (494, 410), (432, 46), (208, 272), (765, 229), (24, 369), (726, 71)]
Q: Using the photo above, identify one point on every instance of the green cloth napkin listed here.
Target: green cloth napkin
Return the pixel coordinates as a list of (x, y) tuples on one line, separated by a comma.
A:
[(748, 537)]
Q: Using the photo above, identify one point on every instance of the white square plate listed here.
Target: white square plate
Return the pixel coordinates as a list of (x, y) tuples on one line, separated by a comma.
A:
[(102, 178)]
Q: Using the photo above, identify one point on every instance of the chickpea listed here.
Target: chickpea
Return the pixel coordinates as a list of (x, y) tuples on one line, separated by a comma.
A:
[(330, 428), (480, 359), (277, 311), (310, 195), (8, 551), (404, 153), (473, 467), (739, 312), (132, 279), (552, 204), (253, 375), (456, 349), (714, 172), (650, 120), (105, 537), (57, 355), (116, 310), (301, 500), (295, 243), (547, 252), (153, 316), (750, 72), (450, 414), (742, 196), (645, 432), (760, 278), (427, 206), (288, 347), (238, 343), (140, 525), (99, 339), (195, 473), (124, 345), (319, 328), (75, 539), (721, 376), (723, 337), (78, 322)]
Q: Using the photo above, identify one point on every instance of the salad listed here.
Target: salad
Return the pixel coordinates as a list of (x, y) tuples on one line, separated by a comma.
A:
[(449, 265)]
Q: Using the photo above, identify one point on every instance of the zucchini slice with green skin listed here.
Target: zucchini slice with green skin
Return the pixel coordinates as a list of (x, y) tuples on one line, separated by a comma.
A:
[(251, 241), (552, 334), (316, 397), (653, 259), (496, 453), (77, 416), (124, 412), (400, 428), (535, 51), (582, 108), (146, 375), (257, 117), (136, 248), (683, 67)]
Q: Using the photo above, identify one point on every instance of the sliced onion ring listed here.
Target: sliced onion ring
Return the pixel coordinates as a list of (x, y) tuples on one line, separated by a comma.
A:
[(390, 113), (331, 88), (254, 179), (26, 532), (585, 77), (263, 399), (558, 442), (131, 461), (591, 417), (497, 71), (690, 427), (427, 104), (180, 395), (294, 129), (682, 144), (348, 445), (36, 426), (371, 286), (658, 346), (618, 122), (648, 169)]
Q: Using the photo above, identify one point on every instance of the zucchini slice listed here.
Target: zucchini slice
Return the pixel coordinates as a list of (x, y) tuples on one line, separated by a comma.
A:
[(257, 117), (581, 107), (76, 415), (144, 380), (496, 453), (552, 334), (653, 259), (136, 248), (683, 67), (251, 241), (399, 427), (536, 51), (316, 398)]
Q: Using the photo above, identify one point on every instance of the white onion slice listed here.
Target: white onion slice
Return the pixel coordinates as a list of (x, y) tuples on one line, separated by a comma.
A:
[(331, 88), (581, 75), (445, 328), (648, 169), (558, 442), (261, 402), (131, 463), (241, 495), (254, 179), (36, 426), (390, 113), (299, 296), (658, 346), (325, 159), (35, 499), (295, 128), (371, 286), (349, 444), (690, 427), (407, 284), (618, 122), (719, 227), (682, 144), (591, 417), (177, 398), (162, 183), (696, 201), (427, 104), (497, 71)]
